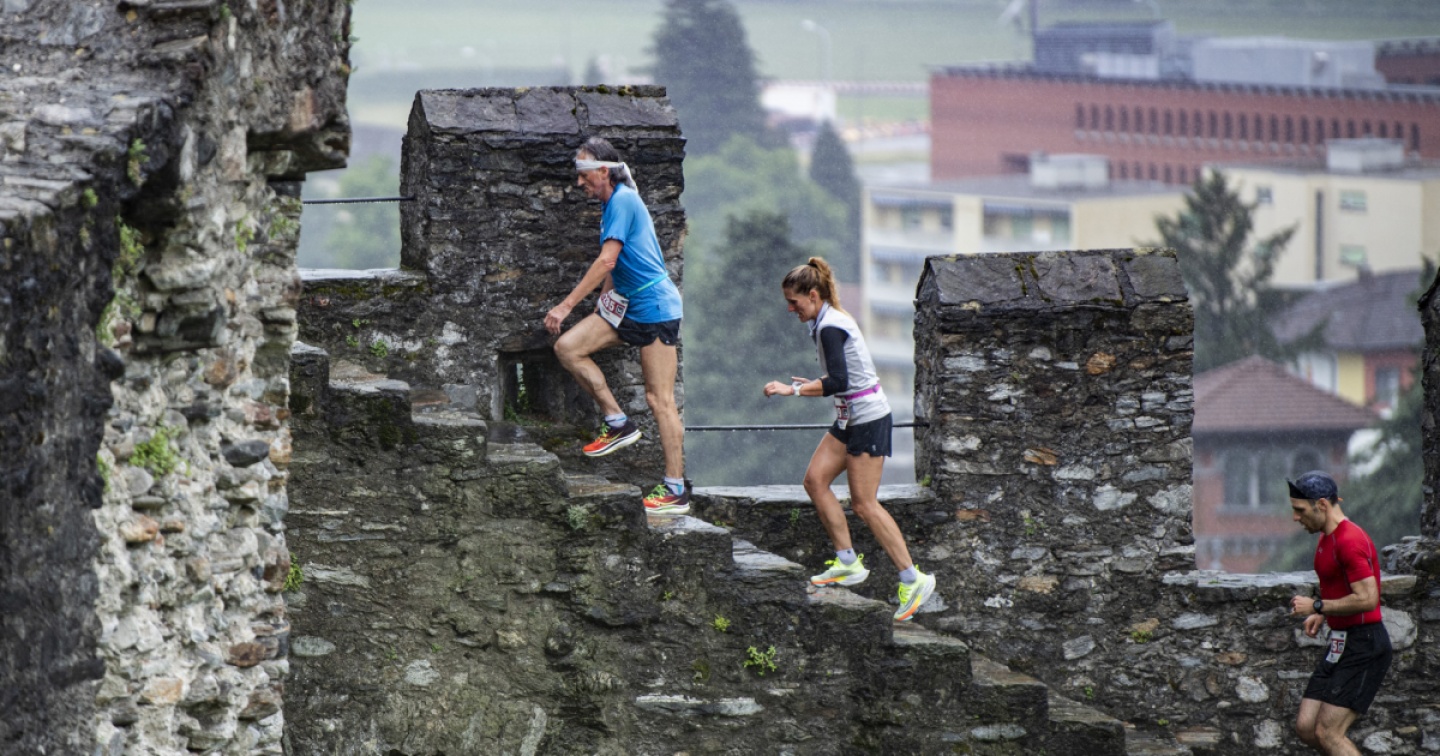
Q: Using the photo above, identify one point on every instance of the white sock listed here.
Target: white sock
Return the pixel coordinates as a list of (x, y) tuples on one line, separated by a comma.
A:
[(615, 421), (676, 485), (846, 556), (909, 574)]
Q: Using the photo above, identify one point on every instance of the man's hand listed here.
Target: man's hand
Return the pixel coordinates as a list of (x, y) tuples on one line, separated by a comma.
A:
[(1302, 606), (1313, 623), (556, 317)]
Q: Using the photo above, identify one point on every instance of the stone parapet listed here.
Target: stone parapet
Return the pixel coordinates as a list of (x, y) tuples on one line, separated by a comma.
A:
[(150, 154)]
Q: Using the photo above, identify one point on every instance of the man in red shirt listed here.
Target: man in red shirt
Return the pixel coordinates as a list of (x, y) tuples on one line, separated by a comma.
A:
[(1358, 654)]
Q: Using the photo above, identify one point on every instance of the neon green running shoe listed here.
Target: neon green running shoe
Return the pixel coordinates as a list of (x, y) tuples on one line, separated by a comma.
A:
[(912, 595), (840, 573)]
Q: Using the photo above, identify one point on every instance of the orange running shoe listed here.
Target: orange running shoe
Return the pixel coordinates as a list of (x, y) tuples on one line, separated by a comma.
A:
[(611, 439)]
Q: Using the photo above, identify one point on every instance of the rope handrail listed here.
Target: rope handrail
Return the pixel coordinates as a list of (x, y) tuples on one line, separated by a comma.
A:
[(355, 200), (914, 424)]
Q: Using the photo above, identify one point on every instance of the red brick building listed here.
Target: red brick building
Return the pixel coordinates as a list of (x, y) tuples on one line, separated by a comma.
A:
[(989, 119), (1409, 61)]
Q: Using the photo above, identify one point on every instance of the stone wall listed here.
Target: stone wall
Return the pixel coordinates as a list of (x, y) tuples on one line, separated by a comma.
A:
[(1057, 386), (150, 154)]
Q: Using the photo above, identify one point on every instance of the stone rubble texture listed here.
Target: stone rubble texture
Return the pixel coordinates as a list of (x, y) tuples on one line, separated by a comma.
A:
[(150, 159)]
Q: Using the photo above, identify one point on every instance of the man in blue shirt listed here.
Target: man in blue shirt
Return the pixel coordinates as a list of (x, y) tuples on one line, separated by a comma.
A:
[(639, 305)]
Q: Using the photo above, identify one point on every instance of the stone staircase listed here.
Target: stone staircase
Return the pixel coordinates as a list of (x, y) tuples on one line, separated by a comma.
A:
[(869, 684)]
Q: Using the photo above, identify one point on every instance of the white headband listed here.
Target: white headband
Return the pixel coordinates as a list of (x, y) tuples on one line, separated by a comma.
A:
[(590, 165)]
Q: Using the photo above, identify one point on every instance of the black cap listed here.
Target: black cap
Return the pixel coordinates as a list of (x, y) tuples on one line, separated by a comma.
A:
[(1313, 485)]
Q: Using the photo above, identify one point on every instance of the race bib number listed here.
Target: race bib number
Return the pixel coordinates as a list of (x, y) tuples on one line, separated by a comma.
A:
[(612, 307), (1337, 645), (842, 414)]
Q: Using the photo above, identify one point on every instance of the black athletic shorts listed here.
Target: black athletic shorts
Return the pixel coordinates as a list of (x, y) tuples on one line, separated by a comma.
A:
[(1353, 680), (645, 334), (871, 438)]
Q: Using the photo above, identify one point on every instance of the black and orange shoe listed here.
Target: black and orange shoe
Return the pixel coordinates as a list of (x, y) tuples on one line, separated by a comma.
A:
[(611, 439)]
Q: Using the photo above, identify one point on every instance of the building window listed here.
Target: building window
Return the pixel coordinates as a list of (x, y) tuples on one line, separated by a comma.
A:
[(1289, 130), (1169, 176), (1387, 386), (1384, 130), (911, 218), (1181, 129), (1244, 127), (1353, 255), (1264, 195), (1255, 475), (1125, 120), (1229, 126), (1259, 128), (1109, 118), (1319, 130), (1350, 129), (1139, 173), (1124, 171), (1154, 122), (1022, 227), (1139, 120), (1184, 177), (1095, 117), (1214, 125), (1365, 129), (1319, 369), (1399, 130), (1197, 124), (1079, 116), (947, 218), (1415, 137), (1304, 131), (1335, 128), (1353, 200), (1274, 129), (1059, 229)]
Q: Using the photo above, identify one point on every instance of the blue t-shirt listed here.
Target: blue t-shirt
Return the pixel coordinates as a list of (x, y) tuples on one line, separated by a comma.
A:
[(640, 272)]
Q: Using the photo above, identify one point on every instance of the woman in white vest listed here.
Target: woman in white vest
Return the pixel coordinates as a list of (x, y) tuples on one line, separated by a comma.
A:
[(858, 442)]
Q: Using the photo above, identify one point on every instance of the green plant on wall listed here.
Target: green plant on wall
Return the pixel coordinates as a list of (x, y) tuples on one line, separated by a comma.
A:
[(134, 160), (294, 577), (379, 348), (720, 624), (760, 661), (155, 453)]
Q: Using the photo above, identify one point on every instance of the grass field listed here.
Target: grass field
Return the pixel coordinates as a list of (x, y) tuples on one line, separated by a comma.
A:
[(875, 40)]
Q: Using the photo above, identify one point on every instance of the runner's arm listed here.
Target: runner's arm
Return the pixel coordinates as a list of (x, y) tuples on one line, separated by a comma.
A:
[(597, 275), (1364, 596), (837, 376)]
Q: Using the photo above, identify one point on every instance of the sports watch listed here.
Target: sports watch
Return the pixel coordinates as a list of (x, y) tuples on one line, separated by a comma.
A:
[(1319, 606)]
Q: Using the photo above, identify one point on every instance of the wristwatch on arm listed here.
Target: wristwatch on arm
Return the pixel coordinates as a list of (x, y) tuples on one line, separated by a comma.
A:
[(1319, 606), (796, 386)]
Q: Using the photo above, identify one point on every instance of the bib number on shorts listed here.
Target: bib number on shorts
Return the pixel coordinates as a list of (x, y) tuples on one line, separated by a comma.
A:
[(842, 414), (1337, 645), (612, 307)]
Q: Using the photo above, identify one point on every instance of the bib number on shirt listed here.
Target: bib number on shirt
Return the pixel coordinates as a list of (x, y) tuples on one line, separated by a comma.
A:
[(842, 414), (1337, 645), (612, 307)]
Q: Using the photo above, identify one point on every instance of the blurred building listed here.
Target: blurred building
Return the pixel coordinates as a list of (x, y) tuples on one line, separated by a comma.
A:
[(1160, 107), (1372, 337), (1255, 425), (1409, 61), (1363, 206), (1065, 202)]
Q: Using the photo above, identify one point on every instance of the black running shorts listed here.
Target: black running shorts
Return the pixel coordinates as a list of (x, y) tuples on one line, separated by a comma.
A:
[(871, 438), (645, 334), (1353, 680)]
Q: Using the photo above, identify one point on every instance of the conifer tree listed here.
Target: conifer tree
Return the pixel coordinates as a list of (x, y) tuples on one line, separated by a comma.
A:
[(1227, 275), (833, 170), (705, 63)]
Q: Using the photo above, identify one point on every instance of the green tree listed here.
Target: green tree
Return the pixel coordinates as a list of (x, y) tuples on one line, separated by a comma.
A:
[(704, 60), (1228, 276), (1386, 499), (744, 177), (832, 169), (739, 338), (357, 236)]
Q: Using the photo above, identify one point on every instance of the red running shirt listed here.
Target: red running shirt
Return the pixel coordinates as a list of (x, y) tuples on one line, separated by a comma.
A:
[(1341, 558)]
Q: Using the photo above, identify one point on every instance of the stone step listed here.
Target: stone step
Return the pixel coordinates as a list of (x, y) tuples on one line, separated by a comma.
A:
[(603, 501), (1008, 706), (1075, 728), (1200, 739), (1153, 744), (691, 547)]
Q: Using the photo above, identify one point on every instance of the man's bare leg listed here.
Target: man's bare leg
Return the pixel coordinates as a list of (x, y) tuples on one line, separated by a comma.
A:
[(574, 348), (658, 363)]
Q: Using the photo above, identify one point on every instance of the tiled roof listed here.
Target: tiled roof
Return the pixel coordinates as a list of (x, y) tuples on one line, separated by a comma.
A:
[(1370, 314), (1257, 395)]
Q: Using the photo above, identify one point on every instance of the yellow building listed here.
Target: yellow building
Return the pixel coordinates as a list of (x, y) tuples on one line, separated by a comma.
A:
[(1065, 202), (1364, 206)]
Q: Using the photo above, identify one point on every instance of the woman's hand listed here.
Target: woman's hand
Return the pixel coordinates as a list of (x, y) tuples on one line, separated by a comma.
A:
[(776, 387), (556, 317)]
